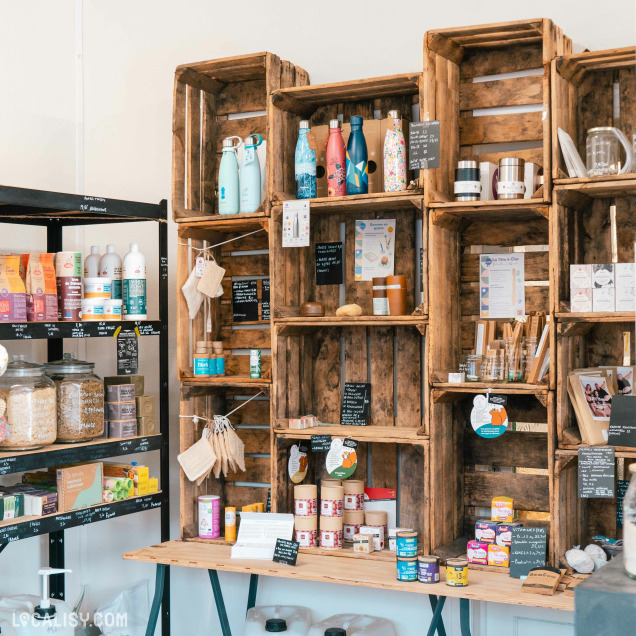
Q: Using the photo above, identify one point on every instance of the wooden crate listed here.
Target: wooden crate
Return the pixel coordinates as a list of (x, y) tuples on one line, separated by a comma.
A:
[(370, 98), (252, 424), (384, 461), (456, 63), (208, 97), (583, 89), (468, 471), (245, 257)]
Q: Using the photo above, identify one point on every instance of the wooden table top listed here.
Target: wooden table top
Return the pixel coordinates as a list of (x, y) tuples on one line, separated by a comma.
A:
[(494, 587)]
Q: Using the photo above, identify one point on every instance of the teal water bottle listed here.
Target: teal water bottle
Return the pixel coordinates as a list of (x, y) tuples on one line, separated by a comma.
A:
[(357, 159), (250, 177), (229, 178), (305, 165)]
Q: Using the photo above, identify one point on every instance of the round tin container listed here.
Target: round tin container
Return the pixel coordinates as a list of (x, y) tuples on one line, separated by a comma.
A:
[(406, 545), (428, 569), (457, 572), (406, 569), (209, 516)]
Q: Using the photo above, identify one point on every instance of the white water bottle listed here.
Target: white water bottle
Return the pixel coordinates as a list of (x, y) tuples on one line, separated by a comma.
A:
[(91, 263), (134, 284), (110, 267), (250, 177)]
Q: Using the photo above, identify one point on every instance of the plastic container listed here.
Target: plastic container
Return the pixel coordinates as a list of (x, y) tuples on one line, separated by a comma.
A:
[(93, 308), (16, 617), (134, 284), (110, 267), (354, 625), (297, 620), (91, 263), (112, 309), (80, 399), (30, 407)]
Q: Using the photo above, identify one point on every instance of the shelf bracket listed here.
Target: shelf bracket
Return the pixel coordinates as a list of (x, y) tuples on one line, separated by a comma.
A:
[(543, 398), (293, 105)]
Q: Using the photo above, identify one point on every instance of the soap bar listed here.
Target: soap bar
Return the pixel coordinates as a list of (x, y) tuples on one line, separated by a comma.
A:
[(120, 410), (145, 405), (147, 425), (120, 393), (349, 310), (137, 380), (363, 543)]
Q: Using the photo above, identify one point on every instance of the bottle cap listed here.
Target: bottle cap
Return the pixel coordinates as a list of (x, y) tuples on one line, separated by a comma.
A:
[(303, 124), (134, 247), (355, 120), (94, 249), (334, 123), (335, 631), (110, 249), (275, 625), (394, 113)]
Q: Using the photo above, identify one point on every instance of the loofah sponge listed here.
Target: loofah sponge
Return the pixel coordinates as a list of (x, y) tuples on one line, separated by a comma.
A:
[(579, 560)]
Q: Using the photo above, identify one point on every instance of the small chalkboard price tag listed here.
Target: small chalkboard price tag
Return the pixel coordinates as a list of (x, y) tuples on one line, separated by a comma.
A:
[(423, 145), (621, 490), (286, 551), (356, 404), (329, 264), (320, 443), (244, 300), (265, 315), (127, 353), (596, 472), (528, 548), (622, 426)]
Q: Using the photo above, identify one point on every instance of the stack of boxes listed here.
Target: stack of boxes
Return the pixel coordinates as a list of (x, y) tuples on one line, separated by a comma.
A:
[(128, 411), (602, 287)]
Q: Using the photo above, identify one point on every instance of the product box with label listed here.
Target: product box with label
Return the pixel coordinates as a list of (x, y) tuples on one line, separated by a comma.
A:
[(139, 474), (504, 533), (625, 284), (603, 299), (580, 300), (378, 535), (477, 552), (502, 509), (11, 506), (363, 543), (486, 530), (79, 486), (382, 499), (580, 277), (498, 555), (602, 276), (136, 380)]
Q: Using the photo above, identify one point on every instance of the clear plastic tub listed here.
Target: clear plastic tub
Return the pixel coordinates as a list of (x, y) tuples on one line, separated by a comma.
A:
[(355, 625), (297, 620)]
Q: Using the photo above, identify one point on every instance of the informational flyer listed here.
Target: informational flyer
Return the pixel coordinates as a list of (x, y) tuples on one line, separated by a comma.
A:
[(375, 245), (502, 292), (296, 223)]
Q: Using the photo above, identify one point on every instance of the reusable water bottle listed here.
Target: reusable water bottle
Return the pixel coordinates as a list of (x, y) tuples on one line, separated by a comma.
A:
[(394, 155), (357, 159), (336, 161), (229, 177), (250, 177), (305, 165)]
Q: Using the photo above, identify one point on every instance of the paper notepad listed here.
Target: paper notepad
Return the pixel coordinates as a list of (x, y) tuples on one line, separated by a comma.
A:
[(258, 532)]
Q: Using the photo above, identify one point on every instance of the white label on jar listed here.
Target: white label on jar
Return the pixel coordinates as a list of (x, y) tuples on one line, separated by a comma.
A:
[(331, 538), (305, 507), (510, 187), (393, 286), (307, 538), (331, 507), (381, 306), (350, 530), (230, 518), (353, 501), (467, 187)]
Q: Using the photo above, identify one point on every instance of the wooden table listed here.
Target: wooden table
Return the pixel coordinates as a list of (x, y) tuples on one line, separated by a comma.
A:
[(494, 587)]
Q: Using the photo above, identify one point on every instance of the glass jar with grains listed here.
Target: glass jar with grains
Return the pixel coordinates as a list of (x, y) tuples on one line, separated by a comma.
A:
[(27, 407), (80, 399)]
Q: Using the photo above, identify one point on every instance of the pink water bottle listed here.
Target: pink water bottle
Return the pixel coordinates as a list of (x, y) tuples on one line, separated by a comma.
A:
[(336, 161)]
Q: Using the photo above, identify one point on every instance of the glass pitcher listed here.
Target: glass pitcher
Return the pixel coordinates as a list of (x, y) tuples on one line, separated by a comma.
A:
[(603, 152)]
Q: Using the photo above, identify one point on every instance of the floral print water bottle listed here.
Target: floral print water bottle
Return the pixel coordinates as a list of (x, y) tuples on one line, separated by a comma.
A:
[(394, 155)]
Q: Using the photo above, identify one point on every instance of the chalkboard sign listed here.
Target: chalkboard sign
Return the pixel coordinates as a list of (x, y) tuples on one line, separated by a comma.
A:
[(621, 489), (320, 443), (286, 551), (596, 472), (329, 264), (268, 505), (423, 145), (244, 300), (622, 426), (265, 315), (527, 550), (356, 404), (127, 353)]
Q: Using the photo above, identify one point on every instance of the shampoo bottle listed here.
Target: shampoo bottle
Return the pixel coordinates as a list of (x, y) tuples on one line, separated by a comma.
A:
[(110, 267), (336, 161), (134, 280), (250, 177), (229, 178), (305, 165), (91, 263), (394, 155), (357, 159)]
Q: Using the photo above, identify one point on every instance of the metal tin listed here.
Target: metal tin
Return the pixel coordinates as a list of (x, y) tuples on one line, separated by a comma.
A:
[(406, 569), (209, 516), (457, 572), (406, 545), (428, 569), (255, 363), (467, 181), (511, 178)]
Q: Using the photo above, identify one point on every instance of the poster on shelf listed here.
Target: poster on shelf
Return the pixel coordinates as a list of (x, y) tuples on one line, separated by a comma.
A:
[(342, 458), (296, 223), (298, 462), (502, 292), (488, 417), (374, 248)]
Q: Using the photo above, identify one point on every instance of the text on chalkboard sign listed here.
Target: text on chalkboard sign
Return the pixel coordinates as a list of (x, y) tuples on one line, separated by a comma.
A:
[(597, 471), (329, 264), (286, 551), (127, 353), (356, 404), (244, 300), (265, 315), (424, 145), (527, 550)]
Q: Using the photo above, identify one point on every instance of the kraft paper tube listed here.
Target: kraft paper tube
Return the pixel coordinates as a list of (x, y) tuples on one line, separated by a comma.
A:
[(376, 517), (353, 517), (307, 491), (306, 523), (331, 523), (330, 482), (353, 486), (332, 492)]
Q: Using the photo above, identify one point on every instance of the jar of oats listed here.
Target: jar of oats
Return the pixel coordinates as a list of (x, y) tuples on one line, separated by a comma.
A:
[(27, 407), (80, 399)]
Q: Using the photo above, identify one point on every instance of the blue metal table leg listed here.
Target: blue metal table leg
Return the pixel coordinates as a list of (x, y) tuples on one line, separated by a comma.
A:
[(220, 604), (464, 616), (156, 601), (437, 616), (441, 631), (251, 597)]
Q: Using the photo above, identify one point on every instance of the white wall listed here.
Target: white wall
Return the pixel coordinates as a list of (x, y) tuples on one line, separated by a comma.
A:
[(85, 105)]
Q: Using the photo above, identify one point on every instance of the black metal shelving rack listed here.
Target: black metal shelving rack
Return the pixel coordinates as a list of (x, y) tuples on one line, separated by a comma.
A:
[(55, 211)]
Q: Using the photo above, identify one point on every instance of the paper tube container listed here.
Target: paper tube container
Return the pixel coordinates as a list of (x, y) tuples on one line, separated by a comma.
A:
[(331, 533), (352, 520), (306, 531), (353, 494), (396, 291), (377, 518), (330, 482), (331, 501), (306, 500)]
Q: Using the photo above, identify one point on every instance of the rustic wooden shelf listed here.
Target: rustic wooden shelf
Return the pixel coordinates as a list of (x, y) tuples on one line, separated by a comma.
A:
[(386, 434), (297, 324), (444, 391), (581, 192), (451, 214), (573, 451), (594, 317), (190, 225), (227, 381)]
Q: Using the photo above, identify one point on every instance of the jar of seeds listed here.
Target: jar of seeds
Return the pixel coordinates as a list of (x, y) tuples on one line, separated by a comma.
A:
[(27, 407), (80, 399)]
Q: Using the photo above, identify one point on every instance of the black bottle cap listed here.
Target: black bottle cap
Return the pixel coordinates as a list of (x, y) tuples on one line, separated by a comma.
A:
[(276, 625), (335, 631)]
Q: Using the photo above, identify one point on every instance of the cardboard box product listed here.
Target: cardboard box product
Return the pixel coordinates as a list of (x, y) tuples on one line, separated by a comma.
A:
[(531, 178), (602, 275), (145, 405), (121, 429), (382, 499), (13, 306), (581, 300), (502, 509), (477, 552), (136, 380), (625, 283), (603, 299), (79, 486), (118, 393), (363, 543), (40, 503), (147, 425), (498, 555), (504, 533), (120, 410), (41, 287), (153, 485), (486, 530), (11, 506), (580, 277), (378, 535)]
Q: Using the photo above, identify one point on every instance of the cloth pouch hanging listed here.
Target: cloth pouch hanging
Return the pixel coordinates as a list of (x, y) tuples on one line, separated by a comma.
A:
[(193, 297), (210, 283), (199, 458)]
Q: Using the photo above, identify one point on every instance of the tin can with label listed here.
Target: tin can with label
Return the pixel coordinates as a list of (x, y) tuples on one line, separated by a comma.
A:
[(407, 569), (457, 572), (209, 516), (406, 545), (428, 569), (255, 363), (230, 524)]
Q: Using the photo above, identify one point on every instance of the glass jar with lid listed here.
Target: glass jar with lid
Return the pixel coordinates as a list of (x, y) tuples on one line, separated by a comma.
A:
[(27, 407), (80, 399)]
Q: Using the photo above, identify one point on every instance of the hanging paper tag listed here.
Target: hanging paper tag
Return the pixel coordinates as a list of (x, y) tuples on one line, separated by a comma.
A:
[(297, 465), (342, 458), (488, 417), (199, 266), (248, 156), (311, 140), (296, 223)]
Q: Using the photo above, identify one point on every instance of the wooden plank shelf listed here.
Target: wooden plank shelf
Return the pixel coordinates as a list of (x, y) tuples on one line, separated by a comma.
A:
[(287, 326), (594, 317), (229, 381), (60, 454), (443, 390), (358, 203), (579, 193), (190, 226), (451, 214), (30, 526), (573, 451), (387, 434)]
